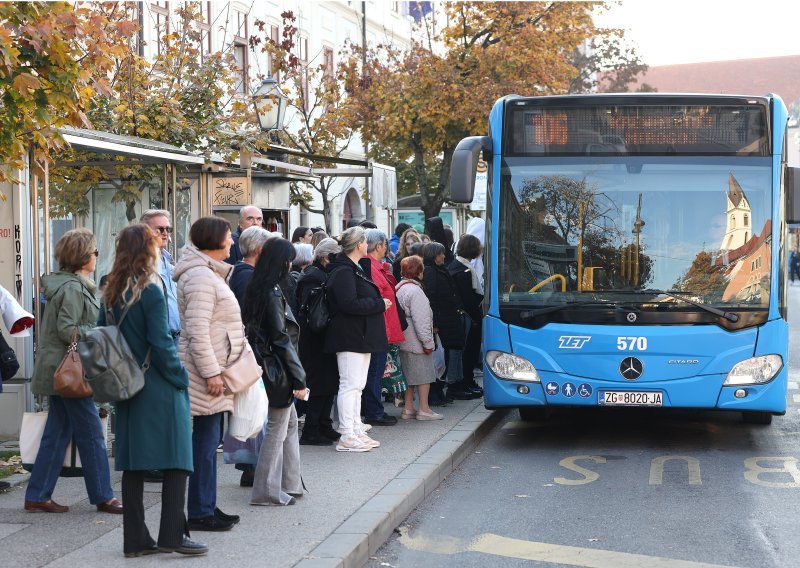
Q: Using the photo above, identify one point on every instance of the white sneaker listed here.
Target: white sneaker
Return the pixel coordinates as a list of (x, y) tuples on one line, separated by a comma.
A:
[(367, 441), (428, 415), (366, 427), (351, 444)]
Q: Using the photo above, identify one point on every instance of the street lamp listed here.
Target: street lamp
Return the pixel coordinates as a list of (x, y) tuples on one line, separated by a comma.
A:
[(270, 104)]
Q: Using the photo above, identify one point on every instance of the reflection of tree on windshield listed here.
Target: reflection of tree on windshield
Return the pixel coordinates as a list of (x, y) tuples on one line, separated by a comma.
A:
[(704, 278), (570, 213)]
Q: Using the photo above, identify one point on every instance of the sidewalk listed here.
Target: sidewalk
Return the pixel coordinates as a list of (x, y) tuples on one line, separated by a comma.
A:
[(353, 504)]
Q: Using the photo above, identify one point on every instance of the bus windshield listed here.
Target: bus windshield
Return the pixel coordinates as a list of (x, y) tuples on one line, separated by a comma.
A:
[(616, 230)]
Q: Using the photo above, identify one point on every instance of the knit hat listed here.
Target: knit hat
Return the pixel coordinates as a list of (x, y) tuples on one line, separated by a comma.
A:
[(326, 247)]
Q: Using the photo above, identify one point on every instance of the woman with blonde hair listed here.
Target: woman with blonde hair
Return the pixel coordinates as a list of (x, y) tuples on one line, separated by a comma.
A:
[(408, 238), (71, 308), (356, 331), (153, 428)]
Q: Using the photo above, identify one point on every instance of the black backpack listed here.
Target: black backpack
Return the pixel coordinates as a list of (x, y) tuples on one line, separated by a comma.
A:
[(8, 361)]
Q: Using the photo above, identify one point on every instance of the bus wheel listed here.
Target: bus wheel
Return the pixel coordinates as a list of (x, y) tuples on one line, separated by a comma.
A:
[(757, 417), (533, 413)]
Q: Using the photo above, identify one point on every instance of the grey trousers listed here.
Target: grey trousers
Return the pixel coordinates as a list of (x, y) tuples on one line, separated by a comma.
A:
[(278, 468)]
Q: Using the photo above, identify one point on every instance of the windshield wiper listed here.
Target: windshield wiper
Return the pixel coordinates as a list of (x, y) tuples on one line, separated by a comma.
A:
[(730, 316), (530, 314)]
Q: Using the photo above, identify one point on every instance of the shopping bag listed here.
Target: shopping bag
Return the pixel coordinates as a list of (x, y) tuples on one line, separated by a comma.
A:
[(30, 437), (235, 451), (250, 409), (394, 381), (439, 363)]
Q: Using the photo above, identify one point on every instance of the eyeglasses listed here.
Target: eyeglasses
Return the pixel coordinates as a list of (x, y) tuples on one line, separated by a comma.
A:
[(96, 252), (163, 230)]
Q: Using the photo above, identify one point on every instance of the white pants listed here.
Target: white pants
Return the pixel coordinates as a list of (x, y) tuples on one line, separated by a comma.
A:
[(353, 368)]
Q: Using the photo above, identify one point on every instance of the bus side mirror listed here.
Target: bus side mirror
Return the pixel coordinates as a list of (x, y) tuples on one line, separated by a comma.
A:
[(792, 195), (464, 165)]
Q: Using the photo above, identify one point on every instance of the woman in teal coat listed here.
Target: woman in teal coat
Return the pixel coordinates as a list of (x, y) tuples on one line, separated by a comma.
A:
[(154, 427)]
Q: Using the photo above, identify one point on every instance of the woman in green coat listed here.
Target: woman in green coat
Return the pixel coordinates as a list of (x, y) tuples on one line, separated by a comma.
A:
[(154, 426), (71, 308)]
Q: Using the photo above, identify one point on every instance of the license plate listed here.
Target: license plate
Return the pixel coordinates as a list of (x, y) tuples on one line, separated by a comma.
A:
[(630, 398)]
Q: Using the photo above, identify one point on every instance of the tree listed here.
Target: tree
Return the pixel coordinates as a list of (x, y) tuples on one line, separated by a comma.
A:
[(182, 97), (319, 121), (419, 103), (55, 58)]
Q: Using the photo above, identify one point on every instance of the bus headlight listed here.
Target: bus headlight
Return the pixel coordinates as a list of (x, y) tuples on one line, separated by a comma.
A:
[(511, 367), (754, 371)]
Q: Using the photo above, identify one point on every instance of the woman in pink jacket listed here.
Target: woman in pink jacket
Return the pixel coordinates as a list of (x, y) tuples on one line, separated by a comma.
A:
[(380, 273)]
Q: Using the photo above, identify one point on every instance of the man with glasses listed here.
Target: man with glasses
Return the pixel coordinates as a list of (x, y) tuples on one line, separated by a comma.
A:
[(249, 216), (158, 220)]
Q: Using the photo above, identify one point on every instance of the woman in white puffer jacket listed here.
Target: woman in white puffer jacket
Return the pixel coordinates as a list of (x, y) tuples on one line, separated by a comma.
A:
[(212, 338)]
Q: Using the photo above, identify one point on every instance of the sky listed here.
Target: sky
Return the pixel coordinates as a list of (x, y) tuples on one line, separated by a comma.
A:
[(667, 32)]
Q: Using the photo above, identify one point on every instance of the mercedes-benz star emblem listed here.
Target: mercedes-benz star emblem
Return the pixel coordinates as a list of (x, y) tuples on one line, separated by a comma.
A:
[(631, 317), (631, 368)]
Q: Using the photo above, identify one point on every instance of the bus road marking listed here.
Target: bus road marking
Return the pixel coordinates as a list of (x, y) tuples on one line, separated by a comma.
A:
[(497, 545)]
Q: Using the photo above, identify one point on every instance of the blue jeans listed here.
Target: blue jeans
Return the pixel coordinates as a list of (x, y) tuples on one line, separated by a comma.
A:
[(203, 481), (71, 419), (372, 401)]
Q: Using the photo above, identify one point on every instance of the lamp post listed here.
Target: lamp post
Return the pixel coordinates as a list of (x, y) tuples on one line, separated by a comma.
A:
[(270, 105)]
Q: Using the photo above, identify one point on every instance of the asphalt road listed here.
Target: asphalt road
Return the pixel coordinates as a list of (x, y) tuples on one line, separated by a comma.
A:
[(629, 488)]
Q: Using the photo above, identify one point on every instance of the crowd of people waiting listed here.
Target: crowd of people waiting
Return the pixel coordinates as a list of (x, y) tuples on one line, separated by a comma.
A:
[(405, 326)]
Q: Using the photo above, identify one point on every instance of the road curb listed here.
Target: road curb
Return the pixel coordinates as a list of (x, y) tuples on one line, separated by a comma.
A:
[(365, 531)]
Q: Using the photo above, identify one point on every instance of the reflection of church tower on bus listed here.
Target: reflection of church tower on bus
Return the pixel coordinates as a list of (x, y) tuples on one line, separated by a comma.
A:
[(738, 216)]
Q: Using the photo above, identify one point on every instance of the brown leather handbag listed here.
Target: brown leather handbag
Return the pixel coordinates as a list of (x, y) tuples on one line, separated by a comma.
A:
[(68, 379)]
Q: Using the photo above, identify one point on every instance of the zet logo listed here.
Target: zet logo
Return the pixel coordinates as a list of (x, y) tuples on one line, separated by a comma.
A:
[(573, 341)]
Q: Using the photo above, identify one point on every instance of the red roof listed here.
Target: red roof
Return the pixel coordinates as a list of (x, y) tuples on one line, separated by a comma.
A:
[(779, 75)]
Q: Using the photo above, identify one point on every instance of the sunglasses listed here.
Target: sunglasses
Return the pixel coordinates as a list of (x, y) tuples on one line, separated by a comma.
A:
[(163, 230), (96, 252)]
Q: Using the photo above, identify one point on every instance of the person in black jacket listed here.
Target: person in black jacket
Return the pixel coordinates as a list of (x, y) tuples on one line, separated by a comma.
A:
[(251, 243), (277, 479), (356, 330), (434, 228), (322, 374), (448, 321), (470, 289)]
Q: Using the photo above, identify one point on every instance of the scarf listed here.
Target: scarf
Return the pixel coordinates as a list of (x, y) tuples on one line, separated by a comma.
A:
[(476, 282)]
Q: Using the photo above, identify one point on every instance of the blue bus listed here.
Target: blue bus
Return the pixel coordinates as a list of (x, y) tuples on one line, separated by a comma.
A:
[(636, 251)]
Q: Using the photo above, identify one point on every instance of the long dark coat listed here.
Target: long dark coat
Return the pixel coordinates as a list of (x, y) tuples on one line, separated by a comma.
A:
[(446, 305), (322, 372), (357, 325), (154, 428)]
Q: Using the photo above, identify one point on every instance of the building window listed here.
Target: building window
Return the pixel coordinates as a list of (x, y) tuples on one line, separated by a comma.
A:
[(240, 51), (272, 65), (327, 54), (302, 50), (733, 222), (746, 220), (205, 30), (160, 17)]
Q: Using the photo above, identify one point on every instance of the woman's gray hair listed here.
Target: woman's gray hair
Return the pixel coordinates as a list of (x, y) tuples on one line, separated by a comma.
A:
[(350, 239), (304, 254), (252, 239), (325, 247), (375, 237)]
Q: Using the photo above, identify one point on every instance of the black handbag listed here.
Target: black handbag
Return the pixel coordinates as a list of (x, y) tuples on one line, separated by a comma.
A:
[(276, 382)]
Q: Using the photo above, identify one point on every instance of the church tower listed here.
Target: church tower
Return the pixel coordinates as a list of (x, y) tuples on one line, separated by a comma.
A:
[(738, 215)]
